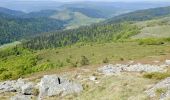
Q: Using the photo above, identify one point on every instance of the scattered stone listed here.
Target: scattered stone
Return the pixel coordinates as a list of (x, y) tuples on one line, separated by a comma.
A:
[(164, 85), (51, 85), (144, 68), (21, 97), (167, 62), (92, 78), (130, 62), (110, 69), (97, 82), (156, 61), (118, 68)]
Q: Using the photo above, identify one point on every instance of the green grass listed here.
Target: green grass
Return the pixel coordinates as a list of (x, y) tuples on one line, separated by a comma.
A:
[(157, 75), (13, 44), (80, 19), (96, 53), (15, 63), (157, 28), (117, 88), (76, 19)]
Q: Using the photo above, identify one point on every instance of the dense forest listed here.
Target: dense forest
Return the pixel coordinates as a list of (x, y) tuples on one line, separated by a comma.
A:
[(94, 33), (141, 15), (12, 29)]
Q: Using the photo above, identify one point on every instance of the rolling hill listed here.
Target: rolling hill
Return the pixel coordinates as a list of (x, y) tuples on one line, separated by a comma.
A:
[(115, 29), (16, 25)]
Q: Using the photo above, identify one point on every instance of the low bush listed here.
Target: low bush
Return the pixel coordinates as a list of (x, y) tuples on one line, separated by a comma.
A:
[(156, 75), (106, 60), (84, 61), (151, 41)]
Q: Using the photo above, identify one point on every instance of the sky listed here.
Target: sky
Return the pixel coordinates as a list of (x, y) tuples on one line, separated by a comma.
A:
[(93, 0), (36, 5)]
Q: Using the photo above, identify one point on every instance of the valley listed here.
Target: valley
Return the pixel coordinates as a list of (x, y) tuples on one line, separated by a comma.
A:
[(86, 51)]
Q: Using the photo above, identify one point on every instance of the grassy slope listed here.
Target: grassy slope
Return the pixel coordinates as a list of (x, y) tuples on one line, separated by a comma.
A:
[(75, 19), (96, 53), (157, 28), (30, 62), (81, 20), (9, 45)]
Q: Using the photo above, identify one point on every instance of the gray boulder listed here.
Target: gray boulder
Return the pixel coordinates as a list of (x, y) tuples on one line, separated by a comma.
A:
[(51, 85), (163, 85), (14, 86)]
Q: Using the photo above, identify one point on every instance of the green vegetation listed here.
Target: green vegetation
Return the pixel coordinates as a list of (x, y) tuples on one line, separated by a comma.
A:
[(153, 41), (84, 60), (142, 15), (160, 91), (13, 29), (90, 34), (17, 62), (156, 75)]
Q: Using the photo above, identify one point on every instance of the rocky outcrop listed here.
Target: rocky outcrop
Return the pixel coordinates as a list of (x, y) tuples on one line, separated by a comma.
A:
[(118, 68), (144, 68), (110, 69), (51, 85), (162, 87)]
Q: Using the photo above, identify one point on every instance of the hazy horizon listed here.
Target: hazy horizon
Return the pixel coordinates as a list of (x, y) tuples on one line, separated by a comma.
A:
[(37, 5)]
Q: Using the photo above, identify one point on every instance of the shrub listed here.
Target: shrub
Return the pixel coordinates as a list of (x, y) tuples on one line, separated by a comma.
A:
[(121, 59), (106, 60), (151, 41), (74, 64), (160, 91), (156, 75), (35, 92), (68, 60), (84, 61)]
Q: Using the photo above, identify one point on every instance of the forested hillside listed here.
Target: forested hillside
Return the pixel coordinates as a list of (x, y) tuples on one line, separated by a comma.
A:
[(118, 28), (142, 15), (94, 33), (12, 29), (16, 25)]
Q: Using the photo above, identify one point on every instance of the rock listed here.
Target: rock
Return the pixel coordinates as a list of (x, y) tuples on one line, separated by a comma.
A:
[(118, 68), (51, 85), (12, 86), (18, 85), (165, 85), (167, 62), (92, 78), (7, 86), (21, 97), (144, 68), (27, 89), (156, 61), (110, 69)]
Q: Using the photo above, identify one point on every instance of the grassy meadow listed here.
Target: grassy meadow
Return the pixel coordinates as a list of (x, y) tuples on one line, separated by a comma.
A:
[(13, 61)]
